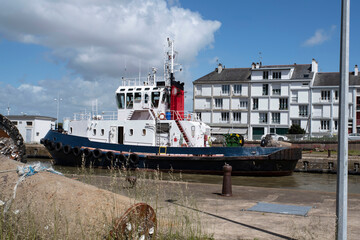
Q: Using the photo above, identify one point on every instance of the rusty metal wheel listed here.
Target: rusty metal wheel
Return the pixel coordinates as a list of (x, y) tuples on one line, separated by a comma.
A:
[(11, 142), (138, 222)]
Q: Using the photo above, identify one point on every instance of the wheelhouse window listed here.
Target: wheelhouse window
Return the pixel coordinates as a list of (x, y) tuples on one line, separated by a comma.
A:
[(146, 98), (120, 99), (129, 100), (137, 96), (155, 98)]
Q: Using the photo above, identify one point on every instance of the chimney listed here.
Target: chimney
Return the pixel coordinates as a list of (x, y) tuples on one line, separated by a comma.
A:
[(314, 66), (257, 65), (219, 68), (356, 70), (253, 65)]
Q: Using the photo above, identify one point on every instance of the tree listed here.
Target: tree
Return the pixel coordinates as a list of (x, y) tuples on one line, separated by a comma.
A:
[(296, 129)]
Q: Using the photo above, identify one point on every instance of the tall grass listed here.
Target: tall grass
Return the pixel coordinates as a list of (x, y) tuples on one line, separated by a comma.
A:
[(174, 221)]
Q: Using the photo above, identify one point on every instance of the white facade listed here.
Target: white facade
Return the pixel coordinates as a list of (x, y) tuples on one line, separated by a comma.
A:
[(32, 128), (265, 99)]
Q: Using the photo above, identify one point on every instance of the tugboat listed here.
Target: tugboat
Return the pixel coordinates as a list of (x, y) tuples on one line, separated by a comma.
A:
[(151, 130)]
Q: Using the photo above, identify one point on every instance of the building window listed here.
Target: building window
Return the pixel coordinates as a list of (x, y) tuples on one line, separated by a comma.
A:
[(283, 103), (37, 134), (15, 123), (303, 110), (237, 117), (275, 117), (225, 117), (325, 95), (276, 91), (218, 102), (29, 123), (225, 89), (237, 89), (276, 75), (265, 74), (255, 103), (243, 103), (324, 124), (296, 122), (265, 89), (198, 115), (336, 95), (263, 118), (335, 124)]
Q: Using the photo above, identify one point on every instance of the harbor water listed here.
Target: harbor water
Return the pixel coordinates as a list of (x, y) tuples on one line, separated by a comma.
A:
[(298, 180)]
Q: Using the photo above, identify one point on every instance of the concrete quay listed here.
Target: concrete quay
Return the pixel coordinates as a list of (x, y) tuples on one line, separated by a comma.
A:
[(228, 218)]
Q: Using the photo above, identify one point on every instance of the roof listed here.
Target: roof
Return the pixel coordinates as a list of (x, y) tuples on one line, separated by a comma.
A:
[(29, 117), (228, 74), (301, 71), (333, 79)]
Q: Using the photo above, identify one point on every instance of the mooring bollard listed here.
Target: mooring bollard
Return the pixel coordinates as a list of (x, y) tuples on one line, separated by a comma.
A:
[(226, 187)]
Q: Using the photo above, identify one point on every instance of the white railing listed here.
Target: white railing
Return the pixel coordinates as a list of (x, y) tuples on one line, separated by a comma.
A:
[(106, 115)]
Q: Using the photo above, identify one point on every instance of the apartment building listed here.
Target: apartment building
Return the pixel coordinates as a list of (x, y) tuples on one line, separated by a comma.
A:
[(269, 99)]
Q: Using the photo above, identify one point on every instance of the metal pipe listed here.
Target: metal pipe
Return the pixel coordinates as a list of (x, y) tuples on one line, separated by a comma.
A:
[(342, 173)]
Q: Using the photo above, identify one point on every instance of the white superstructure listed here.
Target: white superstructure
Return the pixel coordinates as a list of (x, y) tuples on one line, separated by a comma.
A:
[(149, 113)]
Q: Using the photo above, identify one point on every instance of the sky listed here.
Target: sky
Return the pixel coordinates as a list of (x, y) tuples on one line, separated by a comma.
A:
[(78, 51)]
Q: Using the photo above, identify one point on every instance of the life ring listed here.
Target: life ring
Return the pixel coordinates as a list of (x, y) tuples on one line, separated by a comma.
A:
[(162, 116)]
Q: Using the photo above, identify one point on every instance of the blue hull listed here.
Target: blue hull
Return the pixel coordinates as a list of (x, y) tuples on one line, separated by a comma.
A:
[(244, 160)]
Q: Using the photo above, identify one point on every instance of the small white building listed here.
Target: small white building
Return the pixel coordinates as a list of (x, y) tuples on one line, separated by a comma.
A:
[(269, 99), (32, 128)]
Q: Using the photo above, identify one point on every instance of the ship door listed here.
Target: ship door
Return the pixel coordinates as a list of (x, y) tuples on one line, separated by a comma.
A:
[(120, 135)]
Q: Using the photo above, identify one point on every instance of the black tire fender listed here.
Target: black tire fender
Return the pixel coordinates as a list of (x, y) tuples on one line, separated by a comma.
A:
[(58, 146), (87, 152), (76, 151), (97, 153), (67, 149)]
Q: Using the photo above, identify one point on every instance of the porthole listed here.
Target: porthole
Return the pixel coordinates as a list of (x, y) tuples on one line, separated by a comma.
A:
[(70, 129), (131, 132), (102, 132), (94, 131), (144, 132)]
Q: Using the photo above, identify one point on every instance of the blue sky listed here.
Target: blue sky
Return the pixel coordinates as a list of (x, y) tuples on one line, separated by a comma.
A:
[(80, 49)]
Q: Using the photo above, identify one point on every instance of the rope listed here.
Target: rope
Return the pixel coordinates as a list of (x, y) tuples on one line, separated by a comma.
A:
[(24, 172)]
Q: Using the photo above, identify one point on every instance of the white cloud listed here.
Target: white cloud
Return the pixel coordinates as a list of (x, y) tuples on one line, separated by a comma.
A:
[(97, 39), (320, 36)]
